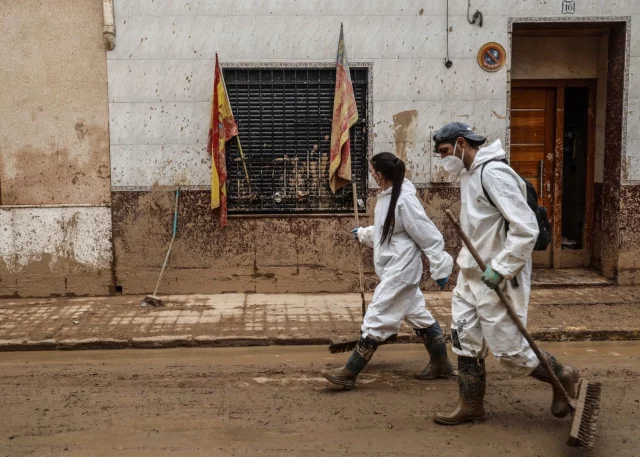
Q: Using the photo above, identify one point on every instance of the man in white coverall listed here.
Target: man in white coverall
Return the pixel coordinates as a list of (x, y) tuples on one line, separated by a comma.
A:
[(400, 235), (504, 230)]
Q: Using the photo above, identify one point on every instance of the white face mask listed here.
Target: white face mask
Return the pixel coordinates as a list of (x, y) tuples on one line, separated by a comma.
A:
[(453, 164)]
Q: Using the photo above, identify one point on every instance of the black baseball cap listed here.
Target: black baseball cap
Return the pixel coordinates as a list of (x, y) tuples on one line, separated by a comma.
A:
[(455, 130)]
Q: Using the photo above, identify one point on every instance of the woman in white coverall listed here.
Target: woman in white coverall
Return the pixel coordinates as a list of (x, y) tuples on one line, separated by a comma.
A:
[(401, 233), (479, 320)]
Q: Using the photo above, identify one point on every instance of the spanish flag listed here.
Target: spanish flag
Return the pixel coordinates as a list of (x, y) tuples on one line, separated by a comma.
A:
[(345, 115), (221, 129)]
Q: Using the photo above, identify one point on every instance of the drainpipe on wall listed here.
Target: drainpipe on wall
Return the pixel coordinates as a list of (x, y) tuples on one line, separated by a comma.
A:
[(109, 31)]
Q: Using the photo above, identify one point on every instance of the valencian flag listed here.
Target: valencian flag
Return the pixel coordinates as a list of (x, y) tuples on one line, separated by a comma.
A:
[(345, 115), (221, 129)]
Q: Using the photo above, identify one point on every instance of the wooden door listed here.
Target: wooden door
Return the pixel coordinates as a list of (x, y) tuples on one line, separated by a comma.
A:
[(532, 147)]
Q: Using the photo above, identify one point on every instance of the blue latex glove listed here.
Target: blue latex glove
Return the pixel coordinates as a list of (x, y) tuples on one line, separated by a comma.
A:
[(354, 232), (442, 282), (491, 278)]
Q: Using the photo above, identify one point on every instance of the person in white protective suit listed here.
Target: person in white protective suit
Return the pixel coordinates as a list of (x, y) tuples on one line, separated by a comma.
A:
[(401, 234), (504, 230)]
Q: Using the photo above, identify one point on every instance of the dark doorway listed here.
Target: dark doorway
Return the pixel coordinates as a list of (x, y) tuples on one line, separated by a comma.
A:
[(574, 173)]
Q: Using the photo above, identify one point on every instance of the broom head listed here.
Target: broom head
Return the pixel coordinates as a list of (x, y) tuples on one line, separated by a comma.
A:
[(152, 300), (585, 416)]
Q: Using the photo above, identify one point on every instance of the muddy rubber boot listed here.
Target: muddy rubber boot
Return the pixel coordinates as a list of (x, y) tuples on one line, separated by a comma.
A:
[(568, 377), (346, 376), (439, 365), (472, 380)]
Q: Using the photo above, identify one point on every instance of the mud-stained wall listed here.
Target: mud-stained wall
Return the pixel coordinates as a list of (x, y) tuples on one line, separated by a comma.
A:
[(278, 254), (612, 189), (55, 251), (160, 80), (54, 149), (629, 260), (250, 255)]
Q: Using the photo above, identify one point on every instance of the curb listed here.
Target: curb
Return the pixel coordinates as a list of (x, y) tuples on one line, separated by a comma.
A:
[(27, 345), (161, 342), (91, 343), (208, 341)]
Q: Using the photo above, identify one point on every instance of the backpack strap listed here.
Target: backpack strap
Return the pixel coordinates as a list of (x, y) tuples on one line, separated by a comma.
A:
[(514, 281), (486, 194)]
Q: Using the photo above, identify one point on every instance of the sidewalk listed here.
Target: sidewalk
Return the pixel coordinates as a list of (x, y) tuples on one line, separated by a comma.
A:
[(558, 314)]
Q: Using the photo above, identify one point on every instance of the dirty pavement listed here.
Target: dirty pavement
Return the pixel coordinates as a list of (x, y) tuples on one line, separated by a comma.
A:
[(556, 314), (272, 402)]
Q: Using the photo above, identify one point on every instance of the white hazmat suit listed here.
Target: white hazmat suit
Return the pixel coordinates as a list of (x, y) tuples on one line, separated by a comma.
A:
[(480, 322), (398, 264)]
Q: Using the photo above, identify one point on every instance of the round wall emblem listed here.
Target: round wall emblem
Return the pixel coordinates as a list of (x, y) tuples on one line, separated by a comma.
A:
[(492, 57)]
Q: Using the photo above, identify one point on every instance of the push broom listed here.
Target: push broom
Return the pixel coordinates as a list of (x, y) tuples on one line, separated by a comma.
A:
[(586, 407), (154, 300), (347, 346)]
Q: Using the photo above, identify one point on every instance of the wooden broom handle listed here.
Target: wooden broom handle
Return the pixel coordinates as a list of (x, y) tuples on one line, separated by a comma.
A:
[(507, 304), (360, 274)]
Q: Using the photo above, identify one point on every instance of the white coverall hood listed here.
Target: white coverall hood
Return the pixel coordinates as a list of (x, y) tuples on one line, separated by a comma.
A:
[(479, 319), (398, 264)]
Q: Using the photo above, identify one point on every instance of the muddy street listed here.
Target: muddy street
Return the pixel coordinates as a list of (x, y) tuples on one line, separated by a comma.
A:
[(272, 402)]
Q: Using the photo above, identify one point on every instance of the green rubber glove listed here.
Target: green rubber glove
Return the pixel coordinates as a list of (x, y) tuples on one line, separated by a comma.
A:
[(491, 278)]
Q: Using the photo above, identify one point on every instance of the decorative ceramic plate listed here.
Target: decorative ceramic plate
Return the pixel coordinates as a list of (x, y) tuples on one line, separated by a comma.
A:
[(492, 57)]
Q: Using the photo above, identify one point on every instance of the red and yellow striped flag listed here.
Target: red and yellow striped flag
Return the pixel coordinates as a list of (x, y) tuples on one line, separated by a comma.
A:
[(345, 115), (221, 129)]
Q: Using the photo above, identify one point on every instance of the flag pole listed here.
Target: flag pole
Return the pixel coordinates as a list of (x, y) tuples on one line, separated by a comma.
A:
[(244, 164), (360, 274)]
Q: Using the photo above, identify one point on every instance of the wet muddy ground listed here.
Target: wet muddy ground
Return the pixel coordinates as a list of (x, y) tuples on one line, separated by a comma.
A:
[(272, 402)]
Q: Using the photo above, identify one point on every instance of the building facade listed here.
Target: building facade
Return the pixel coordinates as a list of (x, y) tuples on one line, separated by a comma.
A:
[(97, 141)]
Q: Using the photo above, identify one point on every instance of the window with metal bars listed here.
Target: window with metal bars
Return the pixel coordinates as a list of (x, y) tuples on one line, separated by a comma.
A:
[(284, 120)]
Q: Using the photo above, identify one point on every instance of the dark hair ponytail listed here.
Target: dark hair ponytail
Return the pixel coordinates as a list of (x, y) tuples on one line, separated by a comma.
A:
[(392, 168)]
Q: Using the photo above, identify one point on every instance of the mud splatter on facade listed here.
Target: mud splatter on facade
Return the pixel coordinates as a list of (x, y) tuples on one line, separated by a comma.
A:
[(55, 172), (96, 141)]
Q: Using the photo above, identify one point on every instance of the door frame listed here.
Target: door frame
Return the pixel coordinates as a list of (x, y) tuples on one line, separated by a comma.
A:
[(558, 163)]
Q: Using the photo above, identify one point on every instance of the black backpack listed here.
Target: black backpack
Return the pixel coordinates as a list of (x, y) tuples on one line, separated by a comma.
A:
[(544, 237)]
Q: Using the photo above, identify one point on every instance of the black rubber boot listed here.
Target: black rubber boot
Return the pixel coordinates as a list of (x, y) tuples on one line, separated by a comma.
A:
[(439, 365), (346, 376), (472, 380), (568, 377)]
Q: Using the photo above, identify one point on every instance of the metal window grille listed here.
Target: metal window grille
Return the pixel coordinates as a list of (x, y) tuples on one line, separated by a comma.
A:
[(284, 120)]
